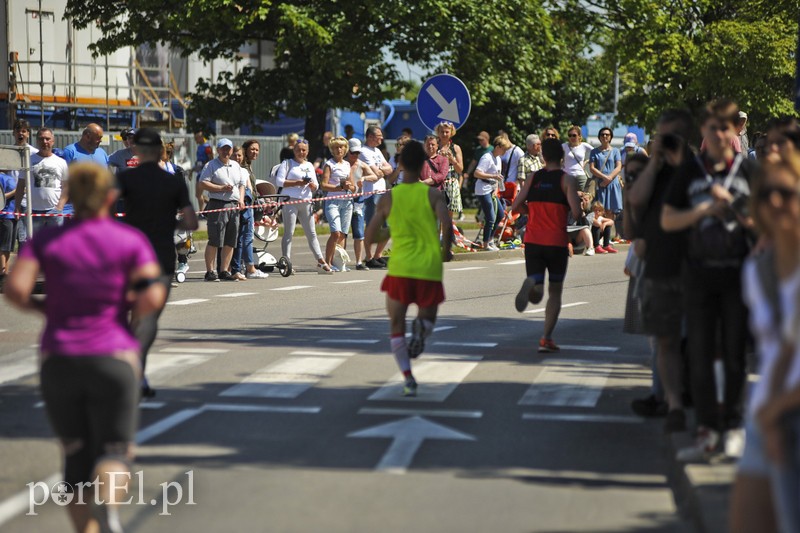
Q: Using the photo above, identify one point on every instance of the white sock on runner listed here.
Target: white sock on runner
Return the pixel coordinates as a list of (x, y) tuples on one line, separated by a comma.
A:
[(400, 351)]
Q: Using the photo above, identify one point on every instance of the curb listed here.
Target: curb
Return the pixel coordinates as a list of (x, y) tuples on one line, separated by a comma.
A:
[(701, 490)]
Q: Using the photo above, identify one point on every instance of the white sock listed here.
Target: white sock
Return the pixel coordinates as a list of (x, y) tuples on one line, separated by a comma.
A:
[(400, 351)]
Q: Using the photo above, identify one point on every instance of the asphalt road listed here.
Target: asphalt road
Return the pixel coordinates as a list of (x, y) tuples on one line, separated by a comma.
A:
[(281, 399)]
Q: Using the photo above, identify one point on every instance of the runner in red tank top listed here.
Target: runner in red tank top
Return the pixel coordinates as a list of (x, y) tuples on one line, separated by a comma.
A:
[(550, 195)]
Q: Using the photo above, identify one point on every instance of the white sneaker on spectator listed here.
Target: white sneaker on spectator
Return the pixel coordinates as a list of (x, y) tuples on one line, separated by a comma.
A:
[(734, 443), (706, 443), (492, 247), (588, 251), (257, 274)]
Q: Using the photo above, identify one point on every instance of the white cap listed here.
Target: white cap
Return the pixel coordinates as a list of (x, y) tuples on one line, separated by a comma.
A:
[(354, 145)]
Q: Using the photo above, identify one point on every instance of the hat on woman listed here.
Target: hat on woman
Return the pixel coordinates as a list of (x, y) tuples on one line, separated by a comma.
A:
[(631, 140), (354, 145)]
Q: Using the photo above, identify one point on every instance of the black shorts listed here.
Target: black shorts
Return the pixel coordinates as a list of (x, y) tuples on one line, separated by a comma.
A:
[(553, 259), (8, 227), (223, 227), (92, 400), (662, 306)]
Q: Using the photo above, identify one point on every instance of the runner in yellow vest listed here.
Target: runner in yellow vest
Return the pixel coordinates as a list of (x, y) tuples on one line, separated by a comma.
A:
[(417, 214)]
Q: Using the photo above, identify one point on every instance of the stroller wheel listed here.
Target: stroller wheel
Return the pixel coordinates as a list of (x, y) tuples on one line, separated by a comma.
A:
[(180, 277), (285, 267)]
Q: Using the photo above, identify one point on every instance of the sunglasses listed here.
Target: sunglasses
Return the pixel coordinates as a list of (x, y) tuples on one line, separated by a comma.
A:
[(572, 135), (786, 194), (550, 136), (301, 141), (602, 135), (445, 123)]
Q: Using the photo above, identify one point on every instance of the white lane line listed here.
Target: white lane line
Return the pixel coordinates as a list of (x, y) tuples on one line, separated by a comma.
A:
[(17, 365), (164, 425), (3, 331), (581, 348), (467, 344), (161, 367), (515, 262), (348, 341), (193, 350), (292, 288), (152, 405), (351, 281), (323, 353), (288, 378), (19, 503), (567, 383), (228, 408), (443, 328), (190, 301), (555, 417), (463, 269), (236, 294), (437, 380), (442, 413), (541, 310), (451, 357)]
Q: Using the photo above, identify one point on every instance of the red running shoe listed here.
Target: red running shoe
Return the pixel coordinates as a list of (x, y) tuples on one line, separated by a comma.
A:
[(600, 250), (547, 346), (610, 249)]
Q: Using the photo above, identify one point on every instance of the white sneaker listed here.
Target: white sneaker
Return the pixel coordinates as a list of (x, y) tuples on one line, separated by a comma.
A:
[(734, 443), (706, 443), (257, 275), (588, 251), (492, 247)]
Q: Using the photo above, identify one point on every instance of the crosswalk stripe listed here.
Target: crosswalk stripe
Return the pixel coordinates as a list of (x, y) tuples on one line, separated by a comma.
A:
[(463, 269), (292, 288), (444, 413), (288, 378), (567, 383), (17, 365), (515, 262), (322, 354), (467, 344), (163, 366), (236, 294), (541, 309), (352, 281), (443, 328), (189, 301), (437, 380)]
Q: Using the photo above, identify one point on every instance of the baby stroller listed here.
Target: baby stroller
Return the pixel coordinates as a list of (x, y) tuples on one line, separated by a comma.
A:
[(184, 245), (266, 211)]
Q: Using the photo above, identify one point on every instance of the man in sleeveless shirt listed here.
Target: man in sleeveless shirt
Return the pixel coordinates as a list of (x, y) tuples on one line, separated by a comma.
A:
[(550, 196), (416, 214)]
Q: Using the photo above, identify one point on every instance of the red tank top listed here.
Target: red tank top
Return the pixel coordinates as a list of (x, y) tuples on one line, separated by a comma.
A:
[(548, 210)]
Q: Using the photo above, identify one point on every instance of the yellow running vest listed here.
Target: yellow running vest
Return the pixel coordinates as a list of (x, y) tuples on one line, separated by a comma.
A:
[(416, 251)]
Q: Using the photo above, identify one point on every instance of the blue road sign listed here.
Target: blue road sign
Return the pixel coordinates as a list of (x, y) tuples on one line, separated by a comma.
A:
[(443, 98)]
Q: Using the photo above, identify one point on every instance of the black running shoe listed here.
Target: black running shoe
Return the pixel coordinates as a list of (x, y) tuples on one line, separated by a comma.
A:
[(227, 276), (362, 266), (211, 276)]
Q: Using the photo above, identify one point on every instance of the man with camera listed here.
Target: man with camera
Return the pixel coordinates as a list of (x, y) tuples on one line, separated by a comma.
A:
[(662, 287), (709, 199)]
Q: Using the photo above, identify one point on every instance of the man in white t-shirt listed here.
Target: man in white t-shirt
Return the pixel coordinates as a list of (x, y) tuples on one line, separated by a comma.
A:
[(511, 160), (49, 191), (225, 183), (373, 157), (22, 132)]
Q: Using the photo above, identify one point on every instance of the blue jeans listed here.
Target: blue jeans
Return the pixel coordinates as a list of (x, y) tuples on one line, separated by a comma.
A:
[(492, 213), (369, 207), (244, 243), (786, 478)]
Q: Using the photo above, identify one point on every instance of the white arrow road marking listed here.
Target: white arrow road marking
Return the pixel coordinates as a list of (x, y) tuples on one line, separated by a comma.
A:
[(449, 110), (568, 383), (437, 379), (288, 378), (190, 301), (541, 310), (407, 436)]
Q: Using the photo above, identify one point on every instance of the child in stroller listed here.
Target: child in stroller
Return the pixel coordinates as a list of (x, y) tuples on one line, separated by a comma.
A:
[(184, 245), (266, 212)]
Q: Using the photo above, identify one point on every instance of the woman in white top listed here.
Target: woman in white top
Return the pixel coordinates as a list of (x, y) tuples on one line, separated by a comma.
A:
[(337, 180), (576, 157), (298, 178), (487, 177), (771, 282)]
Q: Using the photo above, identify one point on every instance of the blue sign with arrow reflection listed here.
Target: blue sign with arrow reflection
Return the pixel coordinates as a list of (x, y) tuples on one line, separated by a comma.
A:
[(443, 98)]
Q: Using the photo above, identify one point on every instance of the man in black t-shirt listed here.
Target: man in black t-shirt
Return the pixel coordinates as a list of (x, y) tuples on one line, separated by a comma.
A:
[(709, 199), (662, 287), (152, 199)]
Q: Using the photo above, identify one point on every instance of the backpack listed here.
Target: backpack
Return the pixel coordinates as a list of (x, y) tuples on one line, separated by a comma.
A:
[(340, 258)]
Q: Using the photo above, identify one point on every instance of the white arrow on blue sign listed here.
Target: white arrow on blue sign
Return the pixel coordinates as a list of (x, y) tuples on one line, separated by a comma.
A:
[(443, 98)]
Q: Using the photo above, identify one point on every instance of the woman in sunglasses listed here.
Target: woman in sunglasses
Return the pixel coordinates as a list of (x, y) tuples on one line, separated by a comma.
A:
[(445, 131), (576, 158)]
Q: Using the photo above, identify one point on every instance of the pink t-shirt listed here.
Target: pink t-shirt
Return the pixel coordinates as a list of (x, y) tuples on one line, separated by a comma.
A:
[(87, 264)]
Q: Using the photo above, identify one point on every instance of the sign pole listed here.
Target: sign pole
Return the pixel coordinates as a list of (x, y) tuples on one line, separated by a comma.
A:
[(26, 165)]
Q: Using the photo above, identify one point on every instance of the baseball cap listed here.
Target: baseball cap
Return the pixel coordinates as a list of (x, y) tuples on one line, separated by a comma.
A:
[(224, 142), (354, 145), (742, 114), (146, 137), (127, 132), (483, 135), (631, 140)]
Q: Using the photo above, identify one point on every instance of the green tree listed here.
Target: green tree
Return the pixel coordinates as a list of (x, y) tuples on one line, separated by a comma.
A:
[(328, 53)]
